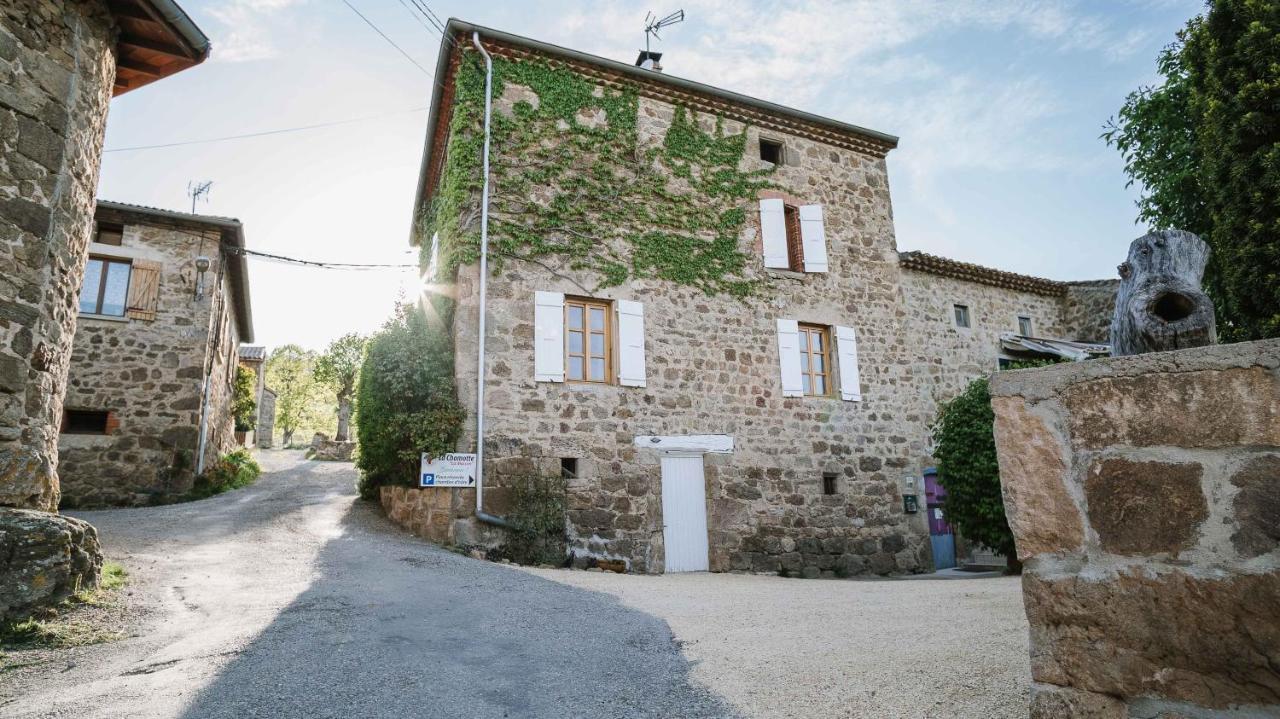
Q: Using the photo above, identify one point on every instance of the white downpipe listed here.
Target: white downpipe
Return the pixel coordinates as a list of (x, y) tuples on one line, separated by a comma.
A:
[(484, 276)]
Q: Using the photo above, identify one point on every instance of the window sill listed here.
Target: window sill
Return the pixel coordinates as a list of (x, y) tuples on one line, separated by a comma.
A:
[(784, 274), (104, 318)]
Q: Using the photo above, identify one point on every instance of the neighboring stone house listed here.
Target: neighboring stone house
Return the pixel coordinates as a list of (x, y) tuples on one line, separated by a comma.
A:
[(254, 357), (749, 394), (163, 309), (61, 61)]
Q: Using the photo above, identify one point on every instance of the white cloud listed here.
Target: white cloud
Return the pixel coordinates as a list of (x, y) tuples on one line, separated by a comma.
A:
[(248, 35)]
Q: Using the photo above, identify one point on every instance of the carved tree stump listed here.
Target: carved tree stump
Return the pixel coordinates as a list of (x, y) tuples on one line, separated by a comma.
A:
[(1160, 305)]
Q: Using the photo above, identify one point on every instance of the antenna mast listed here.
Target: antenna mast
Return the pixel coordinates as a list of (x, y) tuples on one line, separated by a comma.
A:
[(198, 191), (653, 23)]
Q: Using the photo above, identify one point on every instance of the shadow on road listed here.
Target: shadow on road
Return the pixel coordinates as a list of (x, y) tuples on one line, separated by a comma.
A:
[(394, 627)]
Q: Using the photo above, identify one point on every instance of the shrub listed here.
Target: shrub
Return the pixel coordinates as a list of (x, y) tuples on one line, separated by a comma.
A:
[(243, 405), (405, 403), (231, 471), (537, 517)]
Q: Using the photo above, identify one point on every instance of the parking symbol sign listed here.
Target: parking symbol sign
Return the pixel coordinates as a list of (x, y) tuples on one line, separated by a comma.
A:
[(428, 480)]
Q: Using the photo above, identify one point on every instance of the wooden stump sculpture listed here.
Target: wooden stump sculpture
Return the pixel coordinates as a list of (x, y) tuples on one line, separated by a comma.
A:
[(1160, 305)]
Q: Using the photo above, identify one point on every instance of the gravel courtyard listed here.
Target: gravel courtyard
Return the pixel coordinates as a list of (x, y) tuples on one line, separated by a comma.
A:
[(776, 647), (291, 598)]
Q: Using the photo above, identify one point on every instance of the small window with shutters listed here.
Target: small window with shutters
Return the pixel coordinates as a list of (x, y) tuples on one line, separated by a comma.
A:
[(105, 289), (793, 236), (582, 339), (815, 360)]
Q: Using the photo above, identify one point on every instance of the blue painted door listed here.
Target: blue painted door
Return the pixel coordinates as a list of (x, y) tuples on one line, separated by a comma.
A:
[(940, 533)]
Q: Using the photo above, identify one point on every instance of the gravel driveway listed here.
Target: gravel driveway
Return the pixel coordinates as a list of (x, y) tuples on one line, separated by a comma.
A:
[(290, 598)]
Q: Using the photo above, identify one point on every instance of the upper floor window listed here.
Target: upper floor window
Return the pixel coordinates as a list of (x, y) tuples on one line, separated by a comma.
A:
[(962, 315), (106, 287), (771, 151), (109, 233), (1024, 326), (793, 236), (815, 360), (587, 340)]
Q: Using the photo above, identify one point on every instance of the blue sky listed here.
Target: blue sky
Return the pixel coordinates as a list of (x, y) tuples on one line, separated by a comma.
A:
[(998, 105)]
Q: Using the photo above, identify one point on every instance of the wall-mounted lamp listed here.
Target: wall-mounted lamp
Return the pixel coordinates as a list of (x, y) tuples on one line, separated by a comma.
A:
[(202, 266)]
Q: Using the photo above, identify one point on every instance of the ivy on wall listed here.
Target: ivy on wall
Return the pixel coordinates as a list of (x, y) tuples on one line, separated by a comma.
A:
[(573, 188)]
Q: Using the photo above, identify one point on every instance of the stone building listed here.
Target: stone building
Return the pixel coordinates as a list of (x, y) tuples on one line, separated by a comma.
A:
[(163, 309), (254, 358), (749, 393), (61, 61)]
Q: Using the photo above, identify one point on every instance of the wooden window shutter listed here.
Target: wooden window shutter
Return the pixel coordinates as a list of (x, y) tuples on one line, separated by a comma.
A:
[(789, 358), (631, 364), (144, 290), (773, 232), (847, 354), (814, 238), (548, 337)]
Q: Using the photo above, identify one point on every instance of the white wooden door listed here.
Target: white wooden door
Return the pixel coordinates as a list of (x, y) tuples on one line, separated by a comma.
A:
[(684, 513)]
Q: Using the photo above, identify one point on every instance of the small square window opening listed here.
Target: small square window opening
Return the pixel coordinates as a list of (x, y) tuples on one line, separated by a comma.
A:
[(85, 421), (569, 467), (829, 483), (1024, 326), (962, 315), (771, 151), (109, 233)]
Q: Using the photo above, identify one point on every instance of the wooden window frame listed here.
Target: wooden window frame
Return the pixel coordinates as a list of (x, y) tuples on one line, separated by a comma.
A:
[(114, 228), (1030, 326), (102, 286), (956, 310), (795, 240), (781, 148), (805, 343), (587, 304)]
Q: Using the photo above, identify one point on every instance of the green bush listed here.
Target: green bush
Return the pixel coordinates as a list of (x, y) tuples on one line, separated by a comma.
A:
[(537, 517), (405, 402), (231, 471), (243, 405)]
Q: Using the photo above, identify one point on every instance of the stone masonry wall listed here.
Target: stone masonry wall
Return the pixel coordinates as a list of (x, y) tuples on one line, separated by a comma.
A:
[(149, 374), (57, 67), (1144, 496), (713, 369), (1088, 309)]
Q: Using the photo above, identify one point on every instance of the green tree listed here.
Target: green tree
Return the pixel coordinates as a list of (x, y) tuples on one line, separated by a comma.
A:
[(299, 397), (405, 400), (1205, 148), (244, 406), (965, 442), (338, 366)]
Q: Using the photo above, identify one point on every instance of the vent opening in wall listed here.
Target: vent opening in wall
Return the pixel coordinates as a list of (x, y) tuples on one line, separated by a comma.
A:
[(829, 483), (1024, 326), (962, 315), (771, 151), (109, 233), (86, 421), (569, 467)]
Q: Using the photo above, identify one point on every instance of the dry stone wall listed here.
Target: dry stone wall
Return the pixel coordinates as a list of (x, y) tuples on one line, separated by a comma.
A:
[(149, 375), (57, 67), (1144, 497)]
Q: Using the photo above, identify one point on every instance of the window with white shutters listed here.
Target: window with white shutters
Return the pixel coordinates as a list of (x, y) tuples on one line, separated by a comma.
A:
[(813, 238), (773, 233), (793, 236), (805, 353), (789, 358)]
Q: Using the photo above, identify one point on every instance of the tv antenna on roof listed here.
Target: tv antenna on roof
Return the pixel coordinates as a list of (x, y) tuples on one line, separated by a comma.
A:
[(653, 23), (198, 191)]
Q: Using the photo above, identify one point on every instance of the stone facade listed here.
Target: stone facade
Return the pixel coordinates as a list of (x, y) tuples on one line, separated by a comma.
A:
[(266, 428), (149, 373), (1144, 496), (813, 485), (57, 66)]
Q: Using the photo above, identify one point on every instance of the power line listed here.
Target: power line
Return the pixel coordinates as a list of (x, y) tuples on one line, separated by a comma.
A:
[(425, 9), (369, 22), (417, 15), (281, 131), (315, 263)]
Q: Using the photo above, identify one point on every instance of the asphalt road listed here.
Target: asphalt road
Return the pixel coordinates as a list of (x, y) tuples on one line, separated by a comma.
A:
[(291, 598)]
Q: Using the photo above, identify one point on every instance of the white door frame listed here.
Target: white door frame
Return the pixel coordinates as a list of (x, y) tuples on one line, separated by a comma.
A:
[(685, 537)]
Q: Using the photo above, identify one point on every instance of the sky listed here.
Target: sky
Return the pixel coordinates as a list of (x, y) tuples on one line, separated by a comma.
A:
[(998, 105)]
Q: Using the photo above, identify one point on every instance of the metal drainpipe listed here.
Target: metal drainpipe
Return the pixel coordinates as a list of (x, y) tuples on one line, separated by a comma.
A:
[(484, 275)]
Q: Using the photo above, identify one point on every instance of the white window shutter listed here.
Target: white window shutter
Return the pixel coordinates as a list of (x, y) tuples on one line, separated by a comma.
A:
[(789, 358), (813, 237), (847, 354), (631, 371), (548, 337), (773, 231)]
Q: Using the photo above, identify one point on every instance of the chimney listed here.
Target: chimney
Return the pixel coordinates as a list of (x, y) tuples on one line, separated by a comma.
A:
[(649, 60)]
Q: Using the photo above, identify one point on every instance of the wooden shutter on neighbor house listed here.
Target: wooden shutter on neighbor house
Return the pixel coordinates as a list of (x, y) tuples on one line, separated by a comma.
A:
[(144, 290), (813, 237), (548, 337), (847, 356), (773, 233), (789, 358), (631, 365)]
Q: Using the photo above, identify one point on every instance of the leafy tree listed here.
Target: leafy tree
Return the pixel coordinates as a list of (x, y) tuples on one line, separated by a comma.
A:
[(1205, 147), (244, 406), (299, 397), (338, 367), (405, 401)]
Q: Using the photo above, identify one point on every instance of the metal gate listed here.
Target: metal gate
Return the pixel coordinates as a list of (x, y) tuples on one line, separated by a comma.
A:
[(684, 513)]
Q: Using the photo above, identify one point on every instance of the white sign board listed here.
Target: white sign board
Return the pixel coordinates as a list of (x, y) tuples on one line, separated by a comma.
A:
[(451, 470)]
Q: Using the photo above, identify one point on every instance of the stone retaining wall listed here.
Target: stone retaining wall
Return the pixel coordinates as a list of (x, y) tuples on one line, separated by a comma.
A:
[(1144, 495)]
